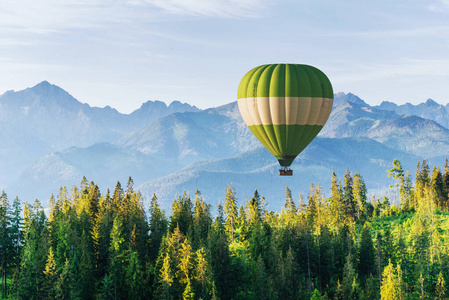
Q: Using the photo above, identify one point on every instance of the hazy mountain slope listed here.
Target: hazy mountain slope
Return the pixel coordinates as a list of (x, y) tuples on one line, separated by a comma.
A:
[(258, 169), (351, 119), (422, 137), (45, 118), (427, 110), (103, 163), (52, 115), (413, 134), (213, 133), (17, 150)]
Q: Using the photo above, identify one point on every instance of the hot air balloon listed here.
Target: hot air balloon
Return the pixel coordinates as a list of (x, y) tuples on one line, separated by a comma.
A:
[(285, 106)]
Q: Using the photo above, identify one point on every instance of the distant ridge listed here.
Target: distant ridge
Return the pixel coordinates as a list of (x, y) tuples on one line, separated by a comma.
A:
[(50, 139), (46, 118)]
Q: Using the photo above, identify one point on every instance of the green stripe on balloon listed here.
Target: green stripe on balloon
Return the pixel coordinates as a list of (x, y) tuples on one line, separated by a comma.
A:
[(283, 80), (282, 137)]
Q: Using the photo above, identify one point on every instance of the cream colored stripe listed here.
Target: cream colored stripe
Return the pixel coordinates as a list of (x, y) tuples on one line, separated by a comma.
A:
[(263, 106), (304, 104), (325, 111), (315, 109), (244, 112), (277, 107), (285, 110), (291, 110)]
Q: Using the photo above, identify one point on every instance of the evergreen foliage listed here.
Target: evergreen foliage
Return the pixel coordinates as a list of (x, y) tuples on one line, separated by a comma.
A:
[(98, 246)]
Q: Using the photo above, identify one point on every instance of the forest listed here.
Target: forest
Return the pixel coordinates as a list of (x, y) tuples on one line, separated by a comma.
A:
[(98, 245)]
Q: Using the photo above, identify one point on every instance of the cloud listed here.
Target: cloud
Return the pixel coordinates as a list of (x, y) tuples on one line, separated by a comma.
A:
[(218, 8), (403, 70), (49, 16), (440, 6), (434, 31)]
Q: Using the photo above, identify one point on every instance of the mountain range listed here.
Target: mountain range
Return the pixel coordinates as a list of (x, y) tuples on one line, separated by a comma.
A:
[(45, 118), (51, 139)]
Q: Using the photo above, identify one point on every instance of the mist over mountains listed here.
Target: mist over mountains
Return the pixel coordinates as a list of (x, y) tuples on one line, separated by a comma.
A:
[(51, 139)]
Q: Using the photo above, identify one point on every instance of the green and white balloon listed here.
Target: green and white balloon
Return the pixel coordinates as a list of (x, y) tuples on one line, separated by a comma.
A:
[(285, 106)]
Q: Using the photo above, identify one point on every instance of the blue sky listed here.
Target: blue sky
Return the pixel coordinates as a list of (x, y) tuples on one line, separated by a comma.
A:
[(123, 53)]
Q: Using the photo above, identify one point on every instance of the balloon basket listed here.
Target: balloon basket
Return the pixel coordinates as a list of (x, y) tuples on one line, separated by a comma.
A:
[(285, 172)]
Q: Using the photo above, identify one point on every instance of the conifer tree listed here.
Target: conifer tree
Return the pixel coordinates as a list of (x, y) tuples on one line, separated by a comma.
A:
[(446, 181), (16, 234), (440, 289), (6, 246), (63, 283), (254, 210), (390, 288), (50, 276), (289, 205), (359, 194), (367, 256), (398, 174), (134, 279), (202, 221), (166, 277), (157, 227), (348, 196), (437, 187), (336, 203), (117, 252), (242, 224), (230, 209), (202, 273), (182, 215)]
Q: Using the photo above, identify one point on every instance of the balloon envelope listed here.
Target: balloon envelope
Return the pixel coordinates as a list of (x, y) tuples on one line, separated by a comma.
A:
[(285, 106)]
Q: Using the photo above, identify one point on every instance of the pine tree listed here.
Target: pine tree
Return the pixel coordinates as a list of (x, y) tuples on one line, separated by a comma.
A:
[(157, 226), (50, 275), (349, 276), (230, 209), (34, 253), (289, 210), (6, 246), (202, 272), (398, 174), (359, 194), (254, 210), (133, 278), (336, 203), (437, 187), (390, 288), (182, 215), (184, 268), (367, 256), (242, 224), (166, 277), (446, 182), (202, 221), (440, 289), (348, 197), (16, 234), (63, 283), (117, 252)]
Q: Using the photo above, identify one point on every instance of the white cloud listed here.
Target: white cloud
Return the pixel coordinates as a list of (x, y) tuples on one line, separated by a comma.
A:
[(220, 8), (47, 16), (439, 6), (434, 31), (402, 70)]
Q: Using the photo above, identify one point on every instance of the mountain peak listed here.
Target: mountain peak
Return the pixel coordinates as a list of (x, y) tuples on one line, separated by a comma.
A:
[(43, 83), (349, 97), (431, 102)]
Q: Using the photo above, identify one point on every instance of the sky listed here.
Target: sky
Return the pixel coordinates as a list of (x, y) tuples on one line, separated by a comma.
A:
[(123, 53)]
